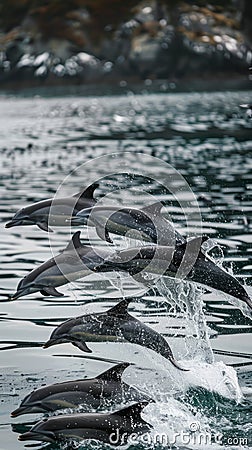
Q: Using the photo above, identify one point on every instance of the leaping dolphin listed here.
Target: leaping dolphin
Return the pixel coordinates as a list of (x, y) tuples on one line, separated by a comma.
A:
[(74, 262), (54, 211), (158, 260), (147, 223), (106, 388), (78, 261), (114, 325), (113, 428)]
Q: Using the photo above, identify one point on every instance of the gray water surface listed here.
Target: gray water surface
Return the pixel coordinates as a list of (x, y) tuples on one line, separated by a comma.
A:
[(209, 141)]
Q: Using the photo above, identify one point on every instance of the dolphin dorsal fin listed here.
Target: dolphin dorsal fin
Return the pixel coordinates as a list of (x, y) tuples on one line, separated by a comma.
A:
[(199, 240), (154, 209), (121, 308), (114, 373), (133, 411), (74, 243), (87, 192)]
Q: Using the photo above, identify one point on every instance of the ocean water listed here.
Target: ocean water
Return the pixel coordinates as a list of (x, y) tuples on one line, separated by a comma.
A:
[(201, 145)]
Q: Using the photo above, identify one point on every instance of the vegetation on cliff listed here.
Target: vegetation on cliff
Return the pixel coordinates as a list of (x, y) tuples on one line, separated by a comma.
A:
[(90, 39)]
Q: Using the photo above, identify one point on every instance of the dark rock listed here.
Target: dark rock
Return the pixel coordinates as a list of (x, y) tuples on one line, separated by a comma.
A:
[(58, 41)]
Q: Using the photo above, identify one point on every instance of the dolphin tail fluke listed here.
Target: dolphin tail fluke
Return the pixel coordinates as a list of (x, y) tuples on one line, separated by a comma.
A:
[(114, 373), (206, 272), (167, 353), (175, 364)]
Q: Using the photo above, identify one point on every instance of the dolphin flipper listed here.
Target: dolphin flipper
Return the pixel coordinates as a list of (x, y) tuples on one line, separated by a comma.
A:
[(50, 290), (82, 346), (44, 226)]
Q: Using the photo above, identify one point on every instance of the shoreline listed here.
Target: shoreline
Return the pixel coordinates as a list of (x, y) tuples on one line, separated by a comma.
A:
[(68, 87)]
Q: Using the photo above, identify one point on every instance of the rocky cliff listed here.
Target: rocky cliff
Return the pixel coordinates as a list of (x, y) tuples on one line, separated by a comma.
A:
[(84, 41)]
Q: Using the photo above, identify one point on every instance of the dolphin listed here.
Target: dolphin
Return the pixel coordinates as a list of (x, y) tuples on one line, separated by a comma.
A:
[(114, 428), (91, 393), (78, 261), (147, 223), (167, 262), (54, 211), (114, 325), (74, 262)]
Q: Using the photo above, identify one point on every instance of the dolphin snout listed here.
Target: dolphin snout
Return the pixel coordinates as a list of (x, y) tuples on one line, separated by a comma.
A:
[(13, 223), (27, 436), (16, 295), (17, 412), (9, 224), (20, 293), (33, 435), (52, 342)]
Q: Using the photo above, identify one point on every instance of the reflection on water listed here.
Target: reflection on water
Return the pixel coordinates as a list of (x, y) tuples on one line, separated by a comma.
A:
[(207, 139)]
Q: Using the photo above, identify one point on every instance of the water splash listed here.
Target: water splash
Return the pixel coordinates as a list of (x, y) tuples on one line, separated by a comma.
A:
[(186, 298)]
